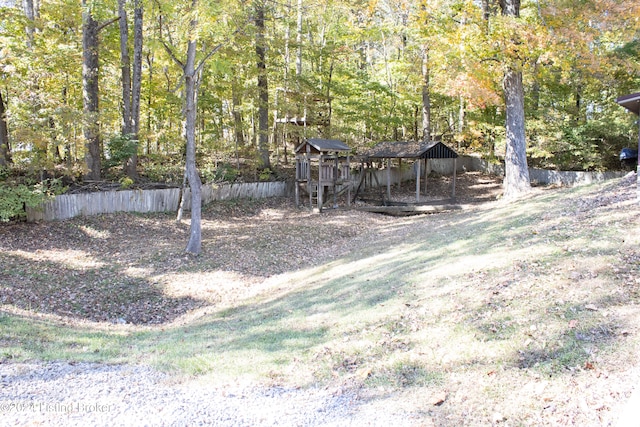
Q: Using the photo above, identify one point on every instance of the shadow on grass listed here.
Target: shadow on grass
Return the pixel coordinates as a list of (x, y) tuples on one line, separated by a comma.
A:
[(103, 293), (253, 337), (572, 349)]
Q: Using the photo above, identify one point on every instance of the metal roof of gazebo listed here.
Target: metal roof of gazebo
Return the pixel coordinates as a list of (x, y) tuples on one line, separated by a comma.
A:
[(410, 150), (630, 102)]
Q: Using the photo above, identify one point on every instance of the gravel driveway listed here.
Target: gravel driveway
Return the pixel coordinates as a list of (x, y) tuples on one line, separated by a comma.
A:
[(81, 394)]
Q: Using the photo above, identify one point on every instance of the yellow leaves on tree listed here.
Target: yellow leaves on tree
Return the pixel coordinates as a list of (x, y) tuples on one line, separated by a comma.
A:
[(477, 91)]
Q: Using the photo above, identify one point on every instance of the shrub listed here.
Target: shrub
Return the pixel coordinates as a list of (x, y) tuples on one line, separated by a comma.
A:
[(125, 182), (15, 198), (265, 174), (223, 172), (120, 148)]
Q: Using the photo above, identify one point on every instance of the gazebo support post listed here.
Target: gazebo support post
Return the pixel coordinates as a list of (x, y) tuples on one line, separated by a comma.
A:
[(426, 174), (297, 189), (418, 177), (320, 184), (389, 178), (455, 167), (309, 182), (335, 181), (349, 181)]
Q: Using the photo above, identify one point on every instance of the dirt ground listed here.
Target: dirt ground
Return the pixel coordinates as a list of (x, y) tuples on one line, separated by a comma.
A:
[(470, 188)]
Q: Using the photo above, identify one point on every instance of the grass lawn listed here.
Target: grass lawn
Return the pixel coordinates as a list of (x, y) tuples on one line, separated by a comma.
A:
[(523, 313)]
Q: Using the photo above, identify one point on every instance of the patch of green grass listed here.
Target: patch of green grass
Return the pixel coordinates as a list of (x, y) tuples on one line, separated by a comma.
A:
[(403, 374), (498, 329), (567, 354), (23, 338)]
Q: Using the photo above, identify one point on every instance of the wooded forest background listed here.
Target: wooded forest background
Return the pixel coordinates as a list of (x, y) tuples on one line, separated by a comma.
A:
[(98, 89)]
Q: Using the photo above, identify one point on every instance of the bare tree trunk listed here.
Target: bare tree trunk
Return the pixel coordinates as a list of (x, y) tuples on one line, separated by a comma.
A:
[(299, 41), (131, 167), (125, 68), (516, 170), (150, 62), (510, 7), (461, 113), (136, 86), (535, 89), (329, 100), (30, 12), (263, 87), (516, 180), (486, 9), (194, 246), (238, 127), (68, 155), (90, 65), (426, 96), (131, 88), (5, 152)]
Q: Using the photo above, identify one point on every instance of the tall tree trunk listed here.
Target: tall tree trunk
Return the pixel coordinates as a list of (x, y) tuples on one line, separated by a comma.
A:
[(5, 152), (30, 12), (69, 160), (299, 41), (194, 246), (516, 180), (131, 167), (510, 7), (131, 88), (535, 89), (263, 87), (486, 9), (461, 114), (578, 103), (90, 65), (327, 125), (125, 68), (516, 169), (150, 62), (284, 103), (426, 96), (136, 87), (238, 127)]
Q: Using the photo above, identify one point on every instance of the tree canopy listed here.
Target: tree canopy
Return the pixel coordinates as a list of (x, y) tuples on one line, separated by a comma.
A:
[(353, 70)]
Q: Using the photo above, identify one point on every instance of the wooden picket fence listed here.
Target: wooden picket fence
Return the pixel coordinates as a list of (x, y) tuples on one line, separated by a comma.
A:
[(71, 205)]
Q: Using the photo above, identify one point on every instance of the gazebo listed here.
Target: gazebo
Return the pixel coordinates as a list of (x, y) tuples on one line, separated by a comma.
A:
[(419, 152), (322, 165), (632, 103)]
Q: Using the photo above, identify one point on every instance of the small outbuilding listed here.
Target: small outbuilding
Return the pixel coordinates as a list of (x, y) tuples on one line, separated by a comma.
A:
[(322, 169), (418, 152), (632, 103)]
